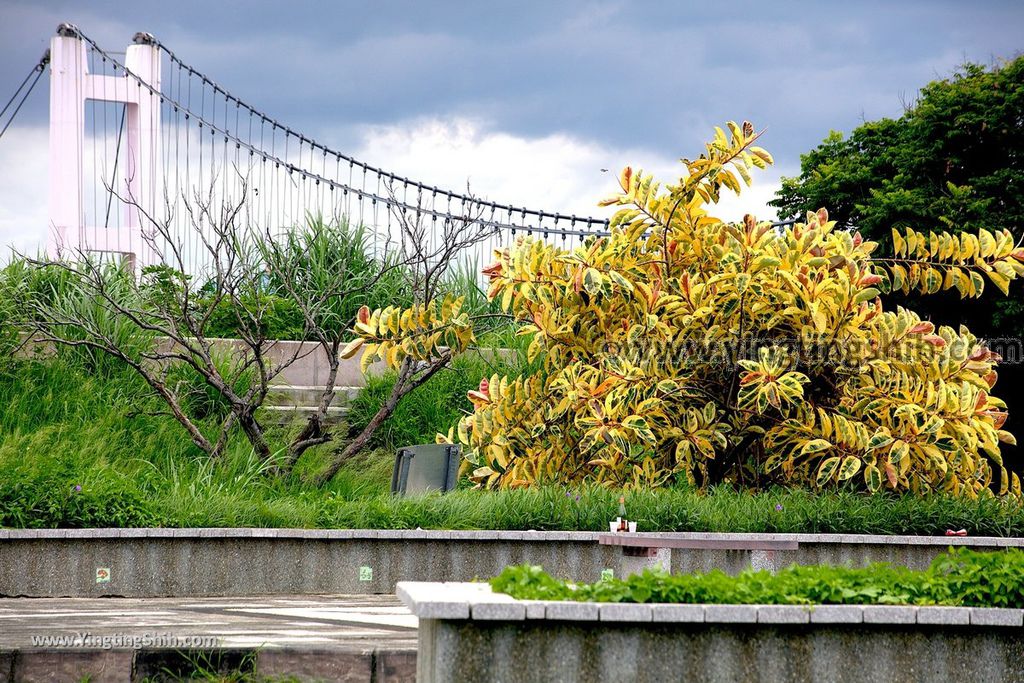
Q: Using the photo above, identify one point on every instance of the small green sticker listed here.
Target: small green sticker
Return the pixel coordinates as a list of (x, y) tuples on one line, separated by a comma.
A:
[(607, 574), (366, 573)]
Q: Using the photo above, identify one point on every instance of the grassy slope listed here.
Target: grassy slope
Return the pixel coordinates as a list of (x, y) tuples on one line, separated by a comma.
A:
[(65, 424)]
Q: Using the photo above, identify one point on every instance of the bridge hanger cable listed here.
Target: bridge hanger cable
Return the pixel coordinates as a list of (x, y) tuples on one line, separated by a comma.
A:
[(362, 166), (361, 193), (285, 184), (18, 90), (38, 70)]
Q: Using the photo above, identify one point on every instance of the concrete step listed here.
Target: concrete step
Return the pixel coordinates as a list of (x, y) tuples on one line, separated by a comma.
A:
[(300, 395), (281, 415)]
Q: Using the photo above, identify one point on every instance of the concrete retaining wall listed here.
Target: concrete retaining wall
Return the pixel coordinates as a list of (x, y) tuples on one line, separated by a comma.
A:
[(310, 367), (469, 634), (597, 653), (163, 562)]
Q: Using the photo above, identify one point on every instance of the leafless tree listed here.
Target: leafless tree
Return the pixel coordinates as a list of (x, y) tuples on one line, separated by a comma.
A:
[(322, 271), (429, 247), (162, 320)]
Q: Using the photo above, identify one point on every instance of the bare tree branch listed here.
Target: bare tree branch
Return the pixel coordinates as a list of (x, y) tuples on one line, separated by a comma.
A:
[(161, 323), (429, 251)]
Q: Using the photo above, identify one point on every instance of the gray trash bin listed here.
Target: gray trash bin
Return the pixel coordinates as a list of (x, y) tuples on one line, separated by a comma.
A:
[(429, 467)]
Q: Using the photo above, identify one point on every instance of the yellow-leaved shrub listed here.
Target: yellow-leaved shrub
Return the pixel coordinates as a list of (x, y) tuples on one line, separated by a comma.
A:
[(683, 346)]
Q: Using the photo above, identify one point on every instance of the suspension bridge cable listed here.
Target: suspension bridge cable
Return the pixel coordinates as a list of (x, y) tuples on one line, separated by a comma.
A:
[(38, 70), (16, 92), (38, 67), (117, 156), (285, 185), (367, 168)]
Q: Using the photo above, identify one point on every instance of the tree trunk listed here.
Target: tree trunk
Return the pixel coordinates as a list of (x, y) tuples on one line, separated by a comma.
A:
[(315, 432), (407, 381), (254, 433), (357, 444)]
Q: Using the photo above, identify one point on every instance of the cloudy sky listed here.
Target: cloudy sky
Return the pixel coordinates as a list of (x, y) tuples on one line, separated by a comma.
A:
[(527, 100)]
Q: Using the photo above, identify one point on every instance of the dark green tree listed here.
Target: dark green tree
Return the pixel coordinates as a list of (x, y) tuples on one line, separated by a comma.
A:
[(953, 161)]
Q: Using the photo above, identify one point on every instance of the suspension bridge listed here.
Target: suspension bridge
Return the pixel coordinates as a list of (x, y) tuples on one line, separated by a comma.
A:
[(135, 136)]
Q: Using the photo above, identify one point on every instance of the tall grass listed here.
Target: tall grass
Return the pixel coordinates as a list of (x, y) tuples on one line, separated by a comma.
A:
[(431, 408), (722, 510), (318, 255), (80, 449)]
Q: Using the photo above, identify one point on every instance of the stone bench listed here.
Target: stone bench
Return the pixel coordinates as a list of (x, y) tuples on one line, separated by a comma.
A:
[(642, 551)]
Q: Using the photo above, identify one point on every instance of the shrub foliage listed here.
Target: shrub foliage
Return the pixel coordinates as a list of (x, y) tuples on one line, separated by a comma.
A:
[(681, 346), (959, 577)]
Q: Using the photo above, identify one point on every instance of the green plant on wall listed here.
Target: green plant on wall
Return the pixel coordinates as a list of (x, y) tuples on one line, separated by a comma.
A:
[(959, 577)]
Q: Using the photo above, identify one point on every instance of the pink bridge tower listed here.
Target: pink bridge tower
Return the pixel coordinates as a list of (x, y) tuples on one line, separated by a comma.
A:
[(71, 86)]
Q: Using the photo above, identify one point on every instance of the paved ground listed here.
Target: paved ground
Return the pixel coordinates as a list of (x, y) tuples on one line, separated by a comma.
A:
[(353, 623), (315, 637)]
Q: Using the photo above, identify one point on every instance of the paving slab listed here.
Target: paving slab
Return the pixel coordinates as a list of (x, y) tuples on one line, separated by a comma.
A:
[(730, 614), (890, 614), (677, 613), (329, 638), (944, 616), (625, 611), (783, 614)]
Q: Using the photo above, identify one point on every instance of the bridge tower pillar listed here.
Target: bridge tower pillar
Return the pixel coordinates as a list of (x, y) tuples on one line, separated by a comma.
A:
[(142, 170), (71, 86), (68, 66)]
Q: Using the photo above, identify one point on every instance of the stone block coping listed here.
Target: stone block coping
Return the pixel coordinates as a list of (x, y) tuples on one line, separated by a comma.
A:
[(300, 534), (461, 601), (499, 536)]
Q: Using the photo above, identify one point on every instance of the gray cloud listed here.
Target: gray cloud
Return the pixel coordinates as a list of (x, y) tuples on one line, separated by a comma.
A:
[(649, 75)]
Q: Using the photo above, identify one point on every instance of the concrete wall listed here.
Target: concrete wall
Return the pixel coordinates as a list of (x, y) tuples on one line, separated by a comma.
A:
[(475, 651), (468, 633), (310, 367), (142, 665), (162, 562)]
